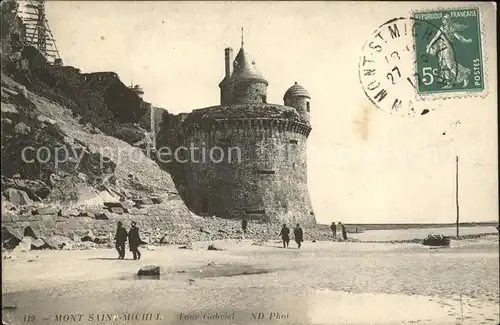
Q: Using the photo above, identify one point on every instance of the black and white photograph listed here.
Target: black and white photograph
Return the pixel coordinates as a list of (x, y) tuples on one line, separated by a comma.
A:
[(249, 163)]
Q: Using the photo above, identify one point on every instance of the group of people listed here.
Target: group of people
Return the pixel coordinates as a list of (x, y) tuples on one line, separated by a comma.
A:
[(333, 227), (298, 233), (285, 233), (134, 240)]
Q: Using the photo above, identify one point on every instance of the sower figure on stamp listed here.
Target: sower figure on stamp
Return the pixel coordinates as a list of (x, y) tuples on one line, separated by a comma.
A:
[(452, 72), (134, 241), (333, 227), (285, 235), (298, 235), (120, 239)]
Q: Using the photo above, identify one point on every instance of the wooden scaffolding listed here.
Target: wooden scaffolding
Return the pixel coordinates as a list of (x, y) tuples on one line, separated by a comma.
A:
[(38, 33)]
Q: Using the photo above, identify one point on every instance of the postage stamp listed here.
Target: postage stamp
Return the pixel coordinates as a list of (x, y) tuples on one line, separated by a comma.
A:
[(386, 67), (454, 61), (430, 55), (154, 173)]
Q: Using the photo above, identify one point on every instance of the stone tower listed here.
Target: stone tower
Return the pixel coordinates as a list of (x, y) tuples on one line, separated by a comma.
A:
[(252, 157), (298, 97)]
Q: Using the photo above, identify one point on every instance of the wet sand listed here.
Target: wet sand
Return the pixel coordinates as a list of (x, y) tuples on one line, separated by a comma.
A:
[(323, 283)]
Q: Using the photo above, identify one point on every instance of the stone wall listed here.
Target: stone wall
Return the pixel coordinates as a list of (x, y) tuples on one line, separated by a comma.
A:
[(262, 173), (170, 216), (301, 106), (249, 92)]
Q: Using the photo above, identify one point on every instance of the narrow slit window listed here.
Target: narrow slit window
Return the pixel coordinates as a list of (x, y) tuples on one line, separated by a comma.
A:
[(264, 172), (255, 211), (308, 106)]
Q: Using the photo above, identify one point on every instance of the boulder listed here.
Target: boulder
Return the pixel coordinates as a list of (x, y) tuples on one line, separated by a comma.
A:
[(89, 237), (141, 202), (64, 212), (39, 243), (7, 109), (17, 197), (24, 245), (113, 204), (156, 200), (46, 120), (10, 237), (30, 232), (45, 211), (7, 205), (118, 210), (124, 205), (213, 248), (87, 214), (58, 242), (102, 240), (35, 189), (187, 246), (50, 243), (205, 231), (22, 129), (103, 216), (151, 270)]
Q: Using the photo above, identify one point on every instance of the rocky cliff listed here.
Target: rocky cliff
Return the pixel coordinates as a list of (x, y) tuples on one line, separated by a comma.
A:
[(72, 146)]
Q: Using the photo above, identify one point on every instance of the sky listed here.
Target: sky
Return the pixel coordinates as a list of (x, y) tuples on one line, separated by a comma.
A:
[(364, 164)]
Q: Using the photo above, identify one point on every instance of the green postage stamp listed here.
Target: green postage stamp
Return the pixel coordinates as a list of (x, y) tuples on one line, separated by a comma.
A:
[(449, 56)]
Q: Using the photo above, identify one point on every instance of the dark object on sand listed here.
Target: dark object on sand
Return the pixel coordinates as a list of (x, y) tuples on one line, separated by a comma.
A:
[(149, 270), (436, 240), (213, 248)]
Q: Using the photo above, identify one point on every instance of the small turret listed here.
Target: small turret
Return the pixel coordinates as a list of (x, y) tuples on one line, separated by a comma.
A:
[(243, 83), (299, 98)]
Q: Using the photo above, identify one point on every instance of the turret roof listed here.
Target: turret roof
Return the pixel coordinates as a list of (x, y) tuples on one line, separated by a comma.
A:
[(297, 91), (245, 69)]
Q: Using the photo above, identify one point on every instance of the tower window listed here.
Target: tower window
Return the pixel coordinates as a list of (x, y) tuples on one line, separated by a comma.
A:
[(308, 107), (264, 99), (255, 211), (264, 172), (293, 141), (225, 141)]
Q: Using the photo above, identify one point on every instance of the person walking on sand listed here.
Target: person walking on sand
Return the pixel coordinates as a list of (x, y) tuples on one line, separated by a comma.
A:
[(333, 227), (134, 240), (244, 225), (120, 240), (285, 235), (299, 235), (344, 232)]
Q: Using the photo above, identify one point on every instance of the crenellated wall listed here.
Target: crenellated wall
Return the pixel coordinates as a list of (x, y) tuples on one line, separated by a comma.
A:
[(257, 169)]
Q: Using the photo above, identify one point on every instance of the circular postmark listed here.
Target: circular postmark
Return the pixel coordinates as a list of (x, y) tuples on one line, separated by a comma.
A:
[(403, 55)]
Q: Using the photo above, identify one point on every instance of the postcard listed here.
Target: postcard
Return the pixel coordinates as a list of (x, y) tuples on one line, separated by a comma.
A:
[(267, 162)]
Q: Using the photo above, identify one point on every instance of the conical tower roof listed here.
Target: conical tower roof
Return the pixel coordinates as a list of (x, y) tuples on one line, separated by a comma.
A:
[(245, 69)]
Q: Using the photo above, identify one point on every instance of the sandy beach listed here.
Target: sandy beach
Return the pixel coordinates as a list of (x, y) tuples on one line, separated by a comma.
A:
[(322, 283)]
